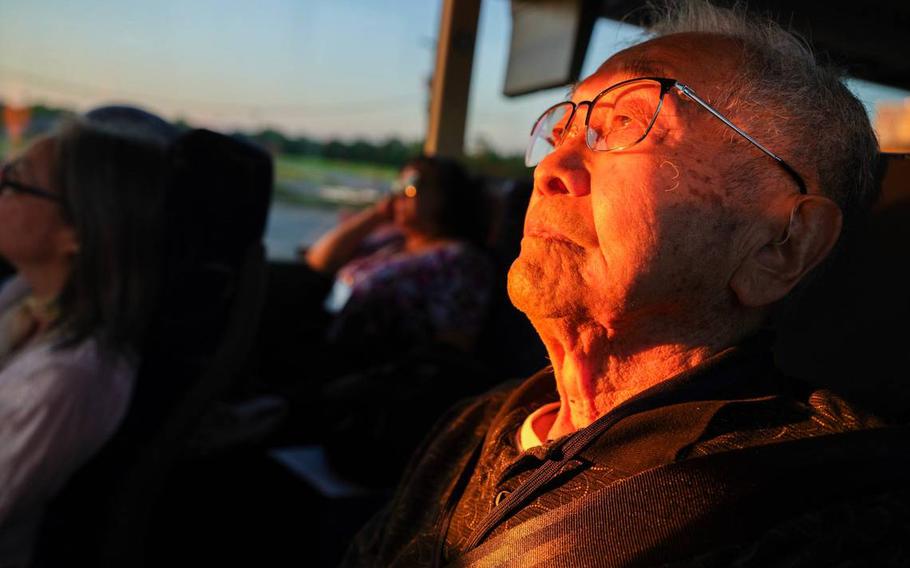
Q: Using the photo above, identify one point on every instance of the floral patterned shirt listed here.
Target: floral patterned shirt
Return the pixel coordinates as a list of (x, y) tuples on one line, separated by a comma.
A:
[(388, 292)]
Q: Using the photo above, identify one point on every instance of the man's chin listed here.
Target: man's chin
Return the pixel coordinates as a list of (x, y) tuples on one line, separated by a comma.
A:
[(537, 294)]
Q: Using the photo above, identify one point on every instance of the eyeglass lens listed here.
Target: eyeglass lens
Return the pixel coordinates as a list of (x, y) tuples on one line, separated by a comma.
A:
[(620, 117)]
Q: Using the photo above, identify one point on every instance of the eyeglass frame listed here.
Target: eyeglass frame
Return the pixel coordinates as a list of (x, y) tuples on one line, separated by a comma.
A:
[(24, 188), (666, 85)]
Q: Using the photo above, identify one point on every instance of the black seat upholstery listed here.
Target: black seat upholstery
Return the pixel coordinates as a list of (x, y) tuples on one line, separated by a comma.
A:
[(850, 333), (216, 205), (508, 344)]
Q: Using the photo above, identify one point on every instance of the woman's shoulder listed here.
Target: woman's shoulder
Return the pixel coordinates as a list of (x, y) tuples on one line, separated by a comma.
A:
[(459, 261), (448, 253), (451, 262), (386, 239), (91, 359), (48, 370)]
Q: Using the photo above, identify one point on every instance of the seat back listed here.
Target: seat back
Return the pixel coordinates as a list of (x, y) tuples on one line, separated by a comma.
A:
[(849, 333), (508, 344), (213, 288)]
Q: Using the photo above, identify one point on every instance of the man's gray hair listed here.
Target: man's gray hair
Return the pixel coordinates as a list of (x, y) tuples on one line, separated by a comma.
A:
[(800, 109)]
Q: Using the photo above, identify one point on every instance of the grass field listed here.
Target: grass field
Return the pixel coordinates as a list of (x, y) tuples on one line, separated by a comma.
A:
[(323, 171), (297, 178)]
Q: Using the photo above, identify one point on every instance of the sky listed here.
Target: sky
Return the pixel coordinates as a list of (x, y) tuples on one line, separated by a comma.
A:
[(322, 68)]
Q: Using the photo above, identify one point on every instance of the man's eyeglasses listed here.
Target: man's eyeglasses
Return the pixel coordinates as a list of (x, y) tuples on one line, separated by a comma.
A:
[(17, 187), (621, 116)]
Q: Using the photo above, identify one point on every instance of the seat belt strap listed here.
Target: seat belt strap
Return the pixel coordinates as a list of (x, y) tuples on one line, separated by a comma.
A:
[(679, 510)]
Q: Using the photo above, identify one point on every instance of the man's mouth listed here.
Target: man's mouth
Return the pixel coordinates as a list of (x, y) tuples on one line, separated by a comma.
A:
[(542, 232)]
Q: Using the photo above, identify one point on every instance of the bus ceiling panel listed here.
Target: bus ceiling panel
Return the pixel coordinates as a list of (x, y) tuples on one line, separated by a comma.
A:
[(867, 38), (548, 43)]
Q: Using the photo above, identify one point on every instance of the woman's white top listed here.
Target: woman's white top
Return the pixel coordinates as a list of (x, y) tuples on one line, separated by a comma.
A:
[(57, 408)]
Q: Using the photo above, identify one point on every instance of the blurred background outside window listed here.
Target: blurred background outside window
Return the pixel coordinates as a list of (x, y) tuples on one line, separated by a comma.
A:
[(337, 90)]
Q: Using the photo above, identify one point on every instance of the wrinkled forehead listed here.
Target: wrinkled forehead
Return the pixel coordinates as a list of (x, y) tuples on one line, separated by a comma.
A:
[(704, 61)]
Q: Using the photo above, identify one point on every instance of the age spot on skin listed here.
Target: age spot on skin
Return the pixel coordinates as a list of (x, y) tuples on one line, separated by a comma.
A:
[(705, 195)]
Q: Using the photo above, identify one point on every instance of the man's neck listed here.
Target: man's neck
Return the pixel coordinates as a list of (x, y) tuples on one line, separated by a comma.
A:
[(598, 369)]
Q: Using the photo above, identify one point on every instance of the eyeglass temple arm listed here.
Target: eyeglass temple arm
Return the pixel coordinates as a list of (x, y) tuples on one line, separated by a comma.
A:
[(683, 88), (21, 187)]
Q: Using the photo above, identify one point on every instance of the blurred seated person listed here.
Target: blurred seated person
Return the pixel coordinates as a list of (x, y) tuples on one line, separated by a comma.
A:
[(410, 269), (406, 285), (80, 222)]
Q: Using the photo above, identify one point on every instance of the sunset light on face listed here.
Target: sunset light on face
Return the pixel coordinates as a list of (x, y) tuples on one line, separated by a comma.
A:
[(604, 237)]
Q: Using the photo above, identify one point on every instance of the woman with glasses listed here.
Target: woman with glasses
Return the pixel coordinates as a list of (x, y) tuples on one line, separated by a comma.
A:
[(410, 283), (80, 222), (410, 268)]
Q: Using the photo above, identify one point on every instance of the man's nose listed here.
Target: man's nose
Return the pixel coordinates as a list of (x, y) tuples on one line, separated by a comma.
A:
[(565, 171)]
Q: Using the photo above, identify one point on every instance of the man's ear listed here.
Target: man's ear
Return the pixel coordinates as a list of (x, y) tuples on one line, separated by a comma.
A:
[(773, 268)]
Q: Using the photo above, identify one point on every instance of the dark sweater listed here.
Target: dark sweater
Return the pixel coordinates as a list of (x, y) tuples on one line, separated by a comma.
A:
[(735, 400)]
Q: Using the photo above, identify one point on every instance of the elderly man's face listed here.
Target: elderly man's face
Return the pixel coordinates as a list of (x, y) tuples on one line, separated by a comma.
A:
[(617, 236)]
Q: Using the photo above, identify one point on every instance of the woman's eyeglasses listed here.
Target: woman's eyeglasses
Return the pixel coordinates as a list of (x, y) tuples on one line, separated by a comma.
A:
[(407, 186), (7, 184)]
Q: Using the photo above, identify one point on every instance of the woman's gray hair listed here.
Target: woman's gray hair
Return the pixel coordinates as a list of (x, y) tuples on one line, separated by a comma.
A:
[(112, 187), (788, 101)]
